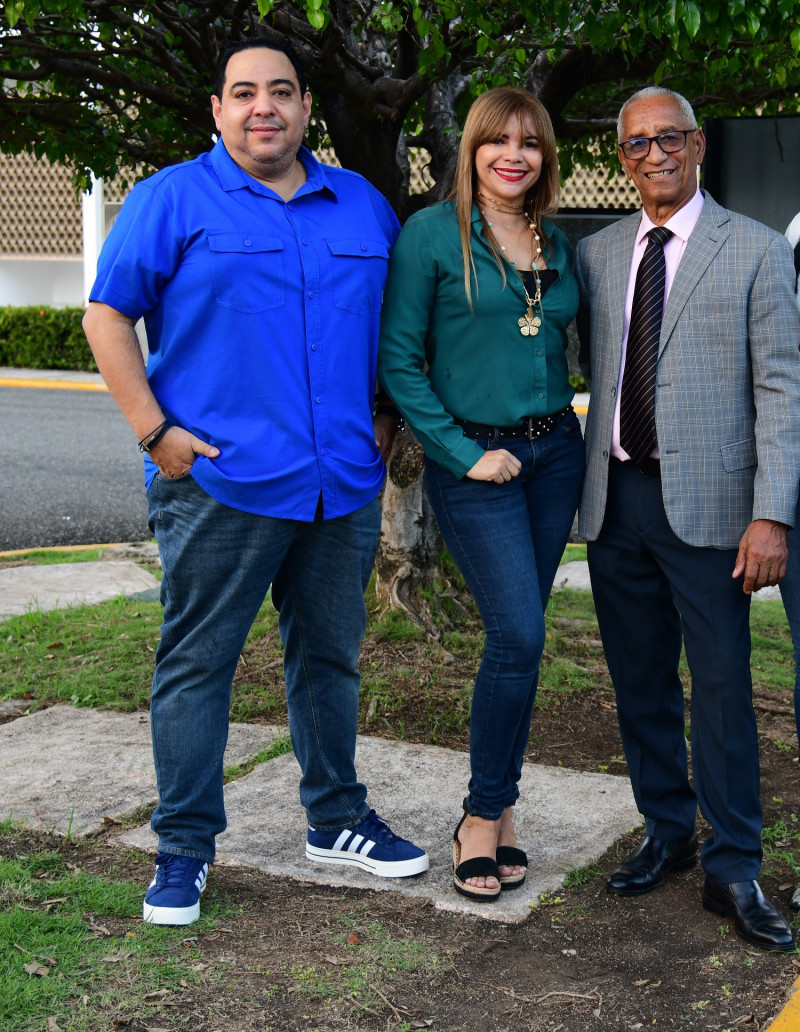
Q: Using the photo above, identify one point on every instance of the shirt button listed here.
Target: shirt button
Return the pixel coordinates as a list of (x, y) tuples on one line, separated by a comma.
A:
[(314, 347), (318, 400), (539, 352), (305, 243), (311, 295), (363, 247), (247, 243), (540, 395)]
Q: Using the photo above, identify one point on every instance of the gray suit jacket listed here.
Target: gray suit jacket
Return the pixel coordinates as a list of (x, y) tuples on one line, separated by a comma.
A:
[(727, 382)]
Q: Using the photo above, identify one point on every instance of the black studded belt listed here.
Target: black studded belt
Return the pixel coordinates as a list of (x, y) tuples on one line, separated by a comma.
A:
[(532, 427)]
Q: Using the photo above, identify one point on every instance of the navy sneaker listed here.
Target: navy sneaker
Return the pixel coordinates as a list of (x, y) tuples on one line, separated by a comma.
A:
[(371, 845), (173, 897)]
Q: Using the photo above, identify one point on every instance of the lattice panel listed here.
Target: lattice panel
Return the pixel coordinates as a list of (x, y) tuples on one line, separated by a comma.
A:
[(41, 213), (113, 190), (586, 188), (591, 188), (42, 216)]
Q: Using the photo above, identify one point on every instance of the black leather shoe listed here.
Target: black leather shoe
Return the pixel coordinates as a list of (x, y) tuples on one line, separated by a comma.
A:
[(645, 868), (755, 919)]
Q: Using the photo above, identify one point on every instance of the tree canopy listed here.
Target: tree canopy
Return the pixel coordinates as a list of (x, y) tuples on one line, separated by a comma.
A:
[(103, 86)]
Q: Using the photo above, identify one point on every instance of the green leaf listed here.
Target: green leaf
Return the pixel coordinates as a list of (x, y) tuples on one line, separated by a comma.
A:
[(14, 13), (794, 39), (691, 19), (724, 32), (753, 22)]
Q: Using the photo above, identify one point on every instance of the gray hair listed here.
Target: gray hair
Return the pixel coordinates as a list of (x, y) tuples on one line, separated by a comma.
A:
[(657, 91)]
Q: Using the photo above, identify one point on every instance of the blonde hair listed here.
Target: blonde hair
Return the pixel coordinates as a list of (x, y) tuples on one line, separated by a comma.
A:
[(486, 121)]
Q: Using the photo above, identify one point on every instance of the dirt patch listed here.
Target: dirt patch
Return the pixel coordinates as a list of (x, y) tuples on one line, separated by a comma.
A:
[(285, 955)]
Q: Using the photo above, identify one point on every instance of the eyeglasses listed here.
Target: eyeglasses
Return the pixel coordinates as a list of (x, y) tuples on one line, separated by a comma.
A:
[(670, 143)]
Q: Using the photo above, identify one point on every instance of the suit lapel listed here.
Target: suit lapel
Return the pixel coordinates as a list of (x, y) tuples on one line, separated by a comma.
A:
[(707, 238), (618, 267)]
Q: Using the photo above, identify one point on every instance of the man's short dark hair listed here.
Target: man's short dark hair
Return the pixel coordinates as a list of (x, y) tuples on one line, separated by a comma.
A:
[(256, 43)]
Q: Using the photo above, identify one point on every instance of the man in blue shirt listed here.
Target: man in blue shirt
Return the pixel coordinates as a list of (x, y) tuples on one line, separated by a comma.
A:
[(259, 274)]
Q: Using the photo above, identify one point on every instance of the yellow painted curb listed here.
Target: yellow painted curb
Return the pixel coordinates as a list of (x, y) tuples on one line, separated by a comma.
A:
[(58, 548), (789, 1018), (69, 385)]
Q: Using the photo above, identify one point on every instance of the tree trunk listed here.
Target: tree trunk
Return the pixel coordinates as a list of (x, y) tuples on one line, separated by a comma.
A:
[(410, 544)]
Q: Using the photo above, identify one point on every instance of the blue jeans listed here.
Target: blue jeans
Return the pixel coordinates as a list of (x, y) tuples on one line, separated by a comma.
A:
[(508, 540), (218, 564), (790, 593)]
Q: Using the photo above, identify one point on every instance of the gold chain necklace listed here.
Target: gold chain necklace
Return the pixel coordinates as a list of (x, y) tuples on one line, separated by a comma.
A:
[(506, 209), (530, 322)]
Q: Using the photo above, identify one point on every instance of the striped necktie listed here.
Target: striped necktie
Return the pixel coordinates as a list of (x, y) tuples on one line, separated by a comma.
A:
[(637, 419)]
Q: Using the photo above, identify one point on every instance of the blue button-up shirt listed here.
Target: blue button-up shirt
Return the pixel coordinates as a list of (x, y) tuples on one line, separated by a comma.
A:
[(262, 326)]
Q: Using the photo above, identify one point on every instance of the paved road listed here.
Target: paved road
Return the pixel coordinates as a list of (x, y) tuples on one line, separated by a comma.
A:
[(70, 473)]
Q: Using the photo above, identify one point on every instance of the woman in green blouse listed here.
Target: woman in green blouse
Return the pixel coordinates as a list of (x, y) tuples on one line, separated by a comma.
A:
[(473, 353)]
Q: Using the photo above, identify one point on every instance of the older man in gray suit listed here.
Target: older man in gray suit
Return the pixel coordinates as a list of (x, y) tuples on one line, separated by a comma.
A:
[(690, 331)]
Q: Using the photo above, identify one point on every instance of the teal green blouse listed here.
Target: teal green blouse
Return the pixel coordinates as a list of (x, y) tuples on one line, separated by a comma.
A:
[(439, 359)]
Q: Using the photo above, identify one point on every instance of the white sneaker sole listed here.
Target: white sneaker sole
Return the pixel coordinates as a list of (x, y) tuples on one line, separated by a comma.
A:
[(381, 868), (170, 915)]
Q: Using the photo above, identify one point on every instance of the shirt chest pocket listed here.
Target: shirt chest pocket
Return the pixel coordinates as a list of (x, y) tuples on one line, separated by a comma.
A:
[(247, 271), (358, 274)]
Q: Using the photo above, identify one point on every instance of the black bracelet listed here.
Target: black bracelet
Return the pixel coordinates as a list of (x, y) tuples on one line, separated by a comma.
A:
[(391, 410), (151, 440)]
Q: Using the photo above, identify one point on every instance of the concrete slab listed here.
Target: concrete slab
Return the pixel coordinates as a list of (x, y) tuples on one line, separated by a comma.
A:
[(66, 769), (573, 575), (576, 575), (27, 588), (11, 708), (565, 819)]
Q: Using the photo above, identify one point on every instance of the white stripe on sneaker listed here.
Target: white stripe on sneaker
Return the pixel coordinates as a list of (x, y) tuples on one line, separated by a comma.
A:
[(340, 842)]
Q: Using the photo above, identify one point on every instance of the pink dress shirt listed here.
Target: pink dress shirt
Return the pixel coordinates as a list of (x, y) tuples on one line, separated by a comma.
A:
[(682, 223)]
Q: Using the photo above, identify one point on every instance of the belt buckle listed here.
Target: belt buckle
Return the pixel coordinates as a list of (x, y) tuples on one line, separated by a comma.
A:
[(529, 428)]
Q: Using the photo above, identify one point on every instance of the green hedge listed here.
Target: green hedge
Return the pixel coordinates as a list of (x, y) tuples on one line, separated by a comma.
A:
[(38, 337)]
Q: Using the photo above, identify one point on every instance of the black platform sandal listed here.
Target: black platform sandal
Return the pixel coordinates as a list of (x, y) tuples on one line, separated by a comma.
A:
[(510, 856), (477, 867)]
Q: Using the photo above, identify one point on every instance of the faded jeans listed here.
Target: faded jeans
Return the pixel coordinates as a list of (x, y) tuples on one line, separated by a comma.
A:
[(218, 564)]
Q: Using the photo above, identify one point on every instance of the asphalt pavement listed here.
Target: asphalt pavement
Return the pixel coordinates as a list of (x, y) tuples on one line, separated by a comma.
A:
[(71, 473)]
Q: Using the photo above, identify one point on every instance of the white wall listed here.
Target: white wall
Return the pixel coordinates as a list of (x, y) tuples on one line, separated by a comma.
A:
[(41, 281)]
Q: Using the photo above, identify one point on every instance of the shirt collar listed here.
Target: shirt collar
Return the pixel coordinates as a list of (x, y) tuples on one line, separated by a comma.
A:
[(682, 222), (233, 177)]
